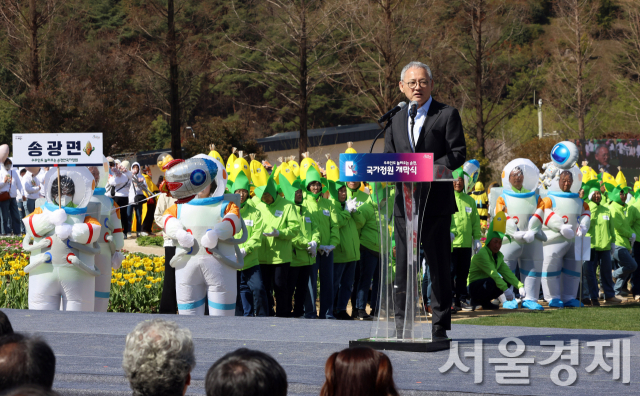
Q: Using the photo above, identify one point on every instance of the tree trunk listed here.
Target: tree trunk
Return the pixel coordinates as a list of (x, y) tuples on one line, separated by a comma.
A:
[(388, 59), (579, 81), (33, 61), (477, 26), (174, 94), (303, 80)]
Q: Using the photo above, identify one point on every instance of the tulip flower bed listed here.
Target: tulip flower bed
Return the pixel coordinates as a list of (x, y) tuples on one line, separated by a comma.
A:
[(135, 287)]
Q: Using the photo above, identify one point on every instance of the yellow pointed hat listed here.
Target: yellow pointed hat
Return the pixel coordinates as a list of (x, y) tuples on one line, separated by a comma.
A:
[(216, 155), (295, 167), (350, 149), (333, 172), (240, 165), (259, 174), (306, 162), (231, 160)]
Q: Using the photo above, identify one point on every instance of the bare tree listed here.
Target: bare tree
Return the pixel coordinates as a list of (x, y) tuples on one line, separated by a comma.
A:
[(172, 48), (378, 30), (628, 61), (482, 33), (573, 83), (297, 47), (26, 25)]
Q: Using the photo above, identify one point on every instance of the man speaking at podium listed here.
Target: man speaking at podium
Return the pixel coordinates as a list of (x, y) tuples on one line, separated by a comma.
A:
[(437, 129)]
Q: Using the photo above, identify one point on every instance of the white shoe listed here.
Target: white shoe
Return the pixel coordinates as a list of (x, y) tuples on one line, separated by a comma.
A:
[(144, 234)]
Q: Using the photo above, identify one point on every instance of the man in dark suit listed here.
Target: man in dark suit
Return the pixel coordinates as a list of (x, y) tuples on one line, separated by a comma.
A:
[(437, 130)]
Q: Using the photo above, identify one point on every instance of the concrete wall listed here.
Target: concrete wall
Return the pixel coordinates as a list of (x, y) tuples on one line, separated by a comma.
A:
[(318, 153)]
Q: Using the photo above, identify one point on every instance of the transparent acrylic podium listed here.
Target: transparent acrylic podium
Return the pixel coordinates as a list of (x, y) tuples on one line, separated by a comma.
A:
[(414, 334)]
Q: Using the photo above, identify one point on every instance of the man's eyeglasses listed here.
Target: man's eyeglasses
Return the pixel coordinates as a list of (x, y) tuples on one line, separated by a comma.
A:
[(412, 84)]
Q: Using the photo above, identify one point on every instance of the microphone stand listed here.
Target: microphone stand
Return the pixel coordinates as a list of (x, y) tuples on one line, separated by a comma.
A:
[(388, 124)]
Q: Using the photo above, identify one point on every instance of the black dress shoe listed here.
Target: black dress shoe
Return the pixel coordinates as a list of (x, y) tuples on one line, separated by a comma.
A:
[(439, 335)]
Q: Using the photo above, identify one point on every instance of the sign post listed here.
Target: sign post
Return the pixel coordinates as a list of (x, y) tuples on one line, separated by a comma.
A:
[(407, 171), (57, 149)]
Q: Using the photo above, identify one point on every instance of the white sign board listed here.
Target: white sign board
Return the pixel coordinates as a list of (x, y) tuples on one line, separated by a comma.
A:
[(57, 149)]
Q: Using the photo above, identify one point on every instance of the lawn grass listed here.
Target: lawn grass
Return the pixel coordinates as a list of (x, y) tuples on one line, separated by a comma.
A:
[(620, 317)]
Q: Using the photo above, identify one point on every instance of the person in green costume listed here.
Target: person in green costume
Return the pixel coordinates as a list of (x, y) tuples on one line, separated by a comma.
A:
[(602, 235), (305, 246), (633, 215), (625, 237), (252, 296), (489, 276), (348, 252), (369, 235), (280, 227), (324, 216), (465, 225)]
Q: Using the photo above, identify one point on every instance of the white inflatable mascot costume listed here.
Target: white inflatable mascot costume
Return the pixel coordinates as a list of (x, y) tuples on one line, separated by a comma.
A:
[(205, 260), (62, 256), (524, 209), (111, 239), (565, 214)]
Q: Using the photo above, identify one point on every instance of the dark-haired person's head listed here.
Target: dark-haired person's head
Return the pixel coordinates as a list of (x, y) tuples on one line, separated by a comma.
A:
[(245, 372), (30, 390), (359, 371), (5, 325), (25, 360)]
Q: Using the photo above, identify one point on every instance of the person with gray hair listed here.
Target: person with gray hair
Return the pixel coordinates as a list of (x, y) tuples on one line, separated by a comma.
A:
[(158, 358), (427, 127)]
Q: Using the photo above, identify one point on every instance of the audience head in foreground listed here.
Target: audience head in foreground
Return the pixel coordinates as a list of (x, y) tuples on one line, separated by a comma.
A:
[(5, 325), (158, 358), (30, 390), (25, 360), (359, 371), (246, 373)]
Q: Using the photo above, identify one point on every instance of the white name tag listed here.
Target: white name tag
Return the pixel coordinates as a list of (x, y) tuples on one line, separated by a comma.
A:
[(248, 223), (278, 213), (307, 219), (326, 212), (605, 217), (468, 209)]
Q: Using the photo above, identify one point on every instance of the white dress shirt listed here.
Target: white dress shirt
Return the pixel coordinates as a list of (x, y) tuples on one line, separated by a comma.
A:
[(421, 116)]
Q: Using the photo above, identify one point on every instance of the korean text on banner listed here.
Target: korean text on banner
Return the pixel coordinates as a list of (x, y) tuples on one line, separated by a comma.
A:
[(57, 149)]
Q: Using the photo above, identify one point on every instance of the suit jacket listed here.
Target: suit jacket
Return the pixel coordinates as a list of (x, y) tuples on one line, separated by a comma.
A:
[(441, 135)]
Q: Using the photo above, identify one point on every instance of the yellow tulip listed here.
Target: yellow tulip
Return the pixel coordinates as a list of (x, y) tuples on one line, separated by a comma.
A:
[(132, 280), (150, 278), (113, 280), (122, 283), (158, 279), (12, 272), (21, 273), (17, 277), (119, 275), (157, 270), (147, 286)]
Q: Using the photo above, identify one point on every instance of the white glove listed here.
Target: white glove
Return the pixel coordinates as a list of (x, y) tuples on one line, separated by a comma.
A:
[(275, 233), (509, 294), (57, 217), (452, 236), (477, 245), (581, 231), (313, 248), (322, 249), (328, 249), (63, 231), (519, 235), (567, 231), (185, 239), (633, 238), (243, 252), (116, 259), (522, 292), (351, 205), (529, 236), (209, 239)]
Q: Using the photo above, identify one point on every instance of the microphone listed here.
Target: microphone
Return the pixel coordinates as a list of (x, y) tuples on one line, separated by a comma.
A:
[(413, 112), (392, 112), (413, 109)]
